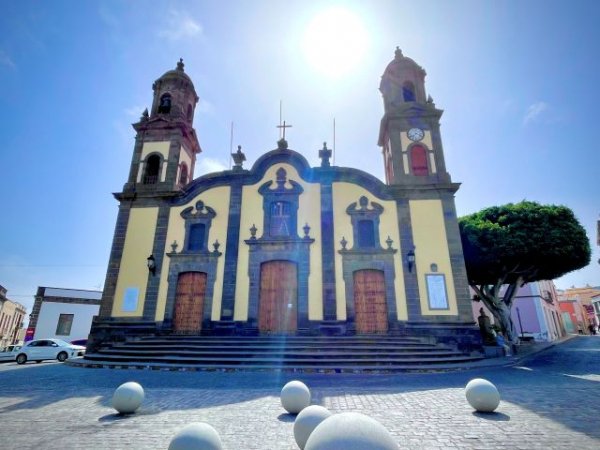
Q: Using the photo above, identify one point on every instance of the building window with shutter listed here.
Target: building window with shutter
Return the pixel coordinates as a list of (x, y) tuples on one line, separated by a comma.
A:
[(65, 321)]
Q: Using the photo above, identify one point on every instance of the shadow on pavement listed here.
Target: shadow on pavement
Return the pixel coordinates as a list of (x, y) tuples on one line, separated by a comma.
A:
[(495, 416), (547, 388)]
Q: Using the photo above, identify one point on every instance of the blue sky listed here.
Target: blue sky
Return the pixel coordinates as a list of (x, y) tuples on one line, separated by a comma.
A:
[(518, 82)]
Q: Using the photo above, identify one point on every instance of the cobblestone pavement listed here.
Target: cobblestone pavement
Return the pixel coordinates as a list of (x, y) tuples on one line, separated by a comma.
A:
[(550, 401)]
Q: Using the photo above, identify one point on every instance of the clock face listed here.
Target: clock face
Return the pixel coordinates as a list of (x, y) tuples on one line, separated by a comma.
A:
[(415, 134)]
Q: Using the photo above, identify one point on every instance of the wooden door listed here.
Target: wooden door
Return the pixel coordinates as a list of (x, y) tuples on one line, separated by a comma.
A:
[(189, 303), (278, 297), (369, 302)]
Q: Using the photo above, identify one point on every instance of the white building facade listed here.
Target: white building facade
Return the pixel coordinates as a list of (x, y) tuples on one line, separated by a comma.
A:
[(63, 313)]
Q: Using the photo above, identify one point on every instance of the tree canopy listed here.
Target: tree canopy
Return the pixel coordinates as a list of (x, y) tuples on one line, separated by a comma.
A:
[(514, 244), (525, 241)]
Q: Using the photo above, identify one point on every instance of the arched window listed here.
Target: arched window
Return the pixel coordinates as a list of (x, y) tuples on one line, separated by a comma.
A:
[(418, 158), (165, 104), (190, 112), (408, 92), (183, 174), (152, 169)]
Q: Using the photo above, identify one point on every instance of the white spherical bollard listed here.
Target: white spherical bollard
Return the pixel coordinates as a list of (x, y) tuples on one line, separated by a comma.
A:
[(196, 436), (128, 397), (295, 396), (350, 431), (307, 421), (482, 395)]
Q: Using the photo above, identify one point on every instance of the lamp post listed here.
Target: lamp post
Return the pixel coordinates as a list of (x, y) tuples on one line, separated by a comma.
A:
[(520, 324)]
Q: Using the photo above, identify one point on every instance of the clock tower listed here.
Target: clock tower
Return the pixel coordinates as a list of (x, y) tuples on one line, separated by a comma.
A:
[(410, 128), (166, 143)]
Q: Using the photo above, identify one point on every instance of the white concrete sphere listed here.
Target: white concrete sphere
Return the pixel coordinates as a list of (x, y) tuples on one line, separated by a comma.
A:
[(128, 397), (196, 436), (482, 395), (295, 396), (350, 431), (307, 421)]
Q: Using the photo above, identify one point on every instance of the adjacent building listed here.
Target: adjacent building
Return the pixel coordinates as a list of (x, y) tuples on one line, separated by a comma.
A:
[(62, 313), (577, 308), (11, 320), (282, 247), (535, 312)]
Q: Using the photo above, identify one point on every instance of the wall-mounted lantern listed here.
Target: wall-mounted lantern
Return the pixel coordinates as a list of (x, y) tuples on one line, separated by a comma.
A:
[(152, 265), (410, 259)]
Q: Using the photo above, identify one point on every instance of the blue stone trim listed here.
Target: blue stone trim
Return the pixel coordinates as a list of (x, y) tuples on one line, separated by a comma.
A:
[(191, 262), (328, 250), (294, 250), (382, 260), (411, 283), (114, 262), (231, 252), (158, 250)]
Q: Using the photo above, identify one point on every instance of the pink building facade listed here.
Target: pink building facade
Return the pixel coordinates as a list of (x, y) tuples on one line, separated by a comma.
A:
[(535, 312)]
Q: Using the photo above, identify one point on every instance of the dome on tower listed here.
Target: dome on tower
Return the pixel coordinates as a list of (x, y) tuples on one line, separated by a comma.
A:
[(403, 81), (174, 95), (178, 72)]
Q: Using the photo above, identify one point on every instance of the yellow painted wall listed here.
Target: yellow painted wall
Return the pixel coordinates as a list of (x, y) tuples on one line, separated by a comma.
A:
[(184, 158), (431, 246), (252, 213), (405, 141), (343, 195), (133, 272), (218, 199), (161, 147)]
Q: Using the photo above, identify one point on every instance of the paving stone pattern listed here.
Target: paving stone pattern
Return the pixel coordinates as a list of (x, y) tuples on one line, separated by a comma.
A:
[(551, 401)]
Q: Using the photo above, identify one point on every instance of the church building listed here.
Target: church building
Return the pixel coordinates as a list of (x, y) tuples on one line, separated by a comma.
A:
[(280, 247)]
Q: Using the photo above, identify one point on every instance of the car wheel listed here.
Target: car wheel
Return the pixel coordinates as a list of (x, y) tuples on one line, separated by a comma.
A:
[(22, 358), (62, 356)]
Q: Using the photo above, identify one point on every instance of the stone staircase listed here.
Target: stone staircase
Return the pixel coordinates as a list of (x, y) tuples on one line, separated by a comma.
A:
[(289, 353)]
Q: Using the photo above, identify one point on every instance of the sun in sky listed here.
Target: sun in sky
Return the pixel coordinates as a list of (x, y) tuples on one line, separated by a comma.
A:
[(335, 42)]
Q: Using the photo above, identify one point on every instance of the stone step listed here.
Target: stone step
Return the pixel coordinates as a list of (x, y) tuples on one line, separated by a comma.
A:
[(277, 362), (278, 339), (281, 354), (276, 352), (271, 347)]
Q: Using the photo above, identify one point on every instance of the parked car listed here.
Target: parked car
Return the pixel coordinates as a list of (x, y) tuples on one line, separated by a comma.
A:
[(42, 349), (9, 353), (82, 342)]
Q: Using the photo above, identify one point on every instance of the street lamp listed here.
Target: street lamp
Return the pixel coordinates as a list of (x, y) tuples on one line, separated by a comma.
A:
[(410, 259), (152, 265)]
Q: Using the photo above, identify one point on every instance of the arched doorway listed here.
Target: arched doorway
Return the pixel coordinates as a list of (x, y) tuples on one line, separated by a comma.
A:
[(189, 302), (278, 300), (369, 302)]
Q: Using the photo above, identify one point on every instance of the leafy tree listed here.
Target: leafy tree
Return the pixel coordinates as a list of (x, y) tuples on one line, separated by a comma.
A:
[(518, 243)]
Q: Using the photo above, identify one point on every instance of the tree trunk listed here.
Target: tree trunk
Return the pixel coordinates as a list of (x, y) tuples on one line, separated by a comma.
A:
[(502, 313), (501, 307)]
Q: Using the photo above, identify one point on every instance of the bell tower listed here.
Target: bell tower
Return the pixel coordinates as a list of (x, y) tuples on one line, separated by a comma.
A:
[(166, 144), (410, 128)]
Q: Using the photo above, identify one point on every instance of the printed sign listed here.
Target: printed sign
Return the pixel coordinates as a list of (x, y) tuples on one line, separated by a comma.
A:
[(436, 291), (130, 301)]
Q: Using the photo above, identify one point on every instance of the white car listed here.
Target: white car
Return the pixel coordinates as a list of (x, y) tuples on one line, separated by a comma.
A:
[(42, 349), (9, 353)]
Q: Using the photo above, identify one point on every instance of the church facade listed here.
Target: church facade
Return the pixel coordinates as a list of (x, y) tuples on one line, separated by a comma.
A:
[(282, 247)]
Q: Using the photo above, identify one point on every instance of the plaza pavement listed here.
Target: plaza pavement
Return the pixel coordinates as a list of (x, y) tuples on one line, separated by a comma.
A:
[(549, 400)]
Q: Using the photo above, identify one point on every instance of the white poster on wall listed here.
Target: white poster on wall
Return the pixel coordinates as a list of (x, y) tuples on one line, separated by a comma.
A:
[(436, 291), (130, 300)]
